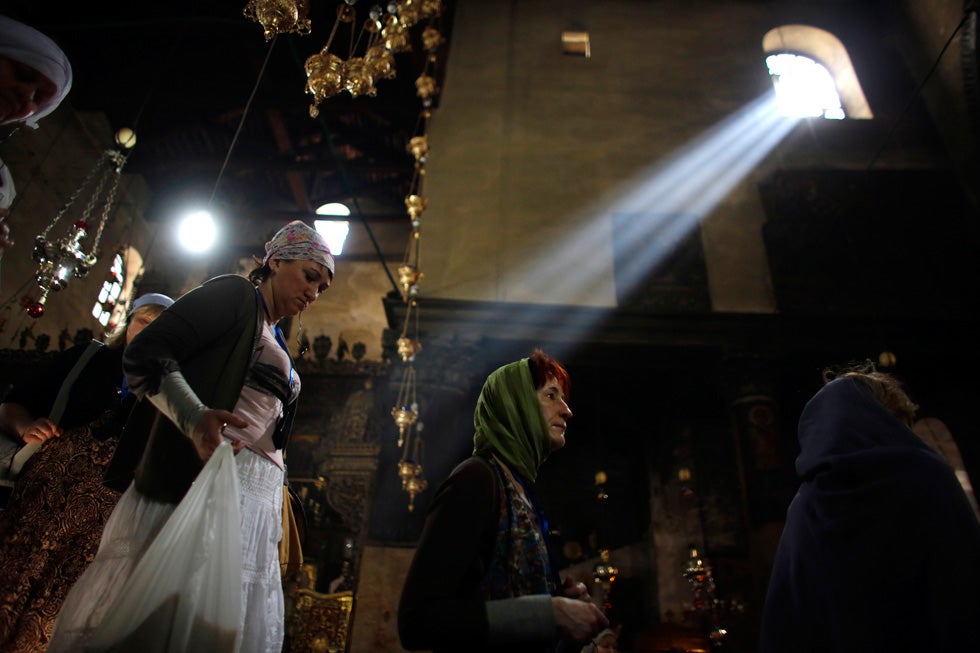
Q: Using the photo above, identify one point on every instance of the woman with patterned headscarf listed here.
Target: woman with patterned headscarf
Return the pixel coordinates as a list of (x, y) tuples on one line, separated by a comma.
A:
[(482, 577), (35, 77), (214, 366)]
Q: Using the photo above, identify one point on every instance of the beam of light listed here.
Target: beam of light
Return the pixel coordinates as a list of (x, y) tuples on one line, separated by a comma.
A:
[(658, 209)]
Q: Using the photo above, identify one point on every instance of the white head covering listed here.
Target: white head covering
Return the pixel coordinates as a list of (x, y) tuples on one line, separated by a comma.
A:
[(32, 48)]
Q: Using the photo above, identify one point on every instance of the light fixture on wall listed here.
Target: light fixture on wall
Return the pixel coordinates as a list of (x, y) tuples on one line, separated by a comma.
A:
[(576, 44)]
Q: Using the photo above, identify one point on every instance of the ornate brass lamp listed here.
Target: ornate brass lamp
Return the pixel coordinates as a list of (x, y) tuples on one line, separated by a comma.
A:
[(61, 260), (356, 71), (278, 16), (409, 345), (408, 278), (416, 205), (605, 572), (405, 412), (410, 472), (413, 486)]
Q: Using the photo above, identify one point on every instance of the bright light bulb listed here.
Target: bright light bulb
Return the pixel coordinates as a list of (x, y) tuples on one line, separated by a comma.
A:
[(197, 232)]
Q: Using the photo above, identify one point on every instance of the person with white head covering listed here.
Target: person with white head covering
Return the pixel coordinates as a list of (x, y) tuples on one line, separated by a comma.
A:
[(35, 76), (51, 528), (214, 366)]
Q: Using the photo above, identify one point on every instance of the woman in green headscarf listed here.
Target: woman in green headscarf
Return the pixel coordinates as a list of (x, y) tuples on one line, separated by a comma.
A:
[(481, 577)]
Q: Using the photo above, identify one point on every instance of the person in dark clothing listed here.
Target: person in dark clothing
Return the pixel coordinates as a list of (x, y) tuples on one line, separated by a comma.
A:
[(51, 530), (482, 577), (881, 550)]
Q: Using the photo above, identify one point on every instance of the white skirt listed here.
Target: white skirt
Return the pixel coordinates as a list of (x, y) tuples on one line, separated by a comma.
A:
[(134, 523)]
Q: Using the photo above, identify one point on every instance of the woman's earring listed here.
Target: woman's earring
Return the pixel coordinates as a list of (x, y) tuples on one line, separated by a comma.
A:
[(304, 344)]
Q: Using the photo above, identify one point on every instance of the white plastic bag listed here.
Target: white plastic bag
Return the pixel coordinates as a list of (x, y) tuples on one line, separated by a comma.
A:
[(185, 594)]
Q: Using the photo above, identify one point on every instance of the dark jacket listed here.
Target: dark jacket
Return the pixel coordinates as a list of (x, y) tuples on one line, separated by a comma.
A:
[(210, 336), (881, 549)]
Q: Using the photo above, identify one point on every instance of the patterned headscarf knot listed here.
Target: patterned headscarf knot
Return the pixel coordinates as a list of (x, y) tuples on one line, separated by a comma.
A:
[(299, 242)]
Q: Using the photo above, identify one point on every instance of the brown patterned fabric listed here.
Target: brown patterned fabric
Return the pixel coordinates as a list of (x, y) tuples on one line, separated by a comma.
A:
[(51, 531)]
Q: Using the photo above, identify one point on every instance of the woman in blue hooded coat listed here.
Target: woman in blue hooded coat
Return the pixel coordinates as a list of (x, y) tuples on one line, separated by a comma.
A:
[(881, 549)]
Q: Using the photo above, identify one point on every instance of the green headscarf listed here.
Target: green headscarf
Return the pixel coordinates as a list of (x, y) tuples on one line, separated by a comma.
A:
[(508, 420)]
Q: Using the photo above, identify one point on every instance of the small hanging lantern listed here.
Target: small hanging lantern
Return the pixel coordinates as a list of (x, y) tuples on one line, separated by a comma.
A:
[(418, 147), (416, 205), (395, 34), (405, 412), (324, 78), (409, 346), (431, 8), (408, 279), (431, 39), (410, 466), (278, 16), (604, 573), (425, 87), (60, 260)]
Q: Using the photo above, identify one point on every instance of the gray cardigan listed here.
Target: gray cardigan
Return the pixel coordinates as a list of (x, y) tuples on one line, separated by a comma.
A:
[(210, 336)]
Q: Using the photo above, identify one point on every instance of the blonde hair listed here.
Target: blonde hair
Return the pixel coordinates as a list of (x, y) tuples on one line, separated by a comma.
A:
[(887, 389), (116, 338)]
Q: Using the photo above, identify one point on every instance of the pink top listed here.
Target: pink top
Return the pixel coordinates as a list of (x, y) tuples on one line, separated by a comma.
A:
[(270, 376)]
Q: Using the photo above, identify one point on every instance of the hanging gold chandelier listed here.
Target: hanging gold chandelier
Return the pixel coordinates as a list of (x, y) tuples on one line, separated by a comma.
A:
[(370, 54)]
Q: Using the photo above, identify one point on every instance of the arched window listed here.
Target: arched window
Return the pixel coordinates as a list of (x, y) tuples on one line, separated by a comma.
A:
[(125, 266), (813, 74)]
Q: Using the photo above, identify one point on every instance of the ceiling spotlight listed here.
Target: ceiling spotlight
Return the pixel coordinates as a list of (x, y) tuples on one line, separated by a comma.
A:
[(197, 232)]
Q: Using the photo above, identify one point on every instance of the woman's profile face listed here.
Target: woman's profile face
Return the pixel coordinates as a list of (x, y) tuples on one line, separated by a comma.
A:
[(22, 90), (555, 411)]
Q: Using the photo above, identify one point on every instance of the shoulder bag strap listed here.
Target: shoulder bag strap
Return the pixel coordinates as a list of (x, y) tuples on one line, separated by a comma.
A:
[(58, 409)]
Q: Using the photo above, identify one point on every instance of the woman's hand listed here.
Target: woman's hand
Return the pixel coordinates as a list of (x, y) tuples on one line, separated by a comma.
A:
[(208, 430), (577, 620), (41, 430), (573, 590)]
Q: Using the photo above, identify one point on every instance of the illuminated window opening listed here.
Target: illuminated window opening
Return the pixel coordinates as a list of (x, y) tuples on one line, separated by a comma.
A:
[(804, 87), (801, 49), (111, 303), (334, 231)]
